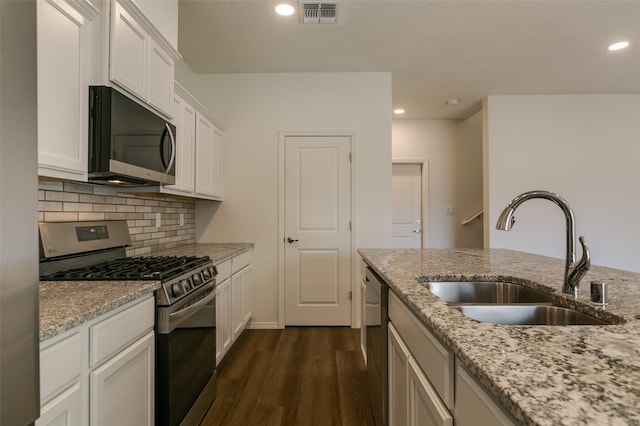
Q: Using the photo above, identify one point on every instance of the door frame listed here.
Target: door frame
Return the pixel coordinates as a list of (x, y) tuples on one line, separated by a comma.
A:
[(282, 135), (424, 163)]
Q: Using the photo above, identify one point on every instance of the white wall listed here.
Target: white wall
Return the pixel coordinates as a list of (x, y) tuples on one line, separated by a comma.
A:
[(454, 153), (585, 148), (255, 107), (163, 14)]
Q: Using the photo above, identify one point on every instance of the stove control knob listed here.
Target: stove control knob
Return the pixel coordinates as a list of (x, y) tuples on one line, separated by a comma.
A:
[(187, 284), (177, 290), (197, 279)]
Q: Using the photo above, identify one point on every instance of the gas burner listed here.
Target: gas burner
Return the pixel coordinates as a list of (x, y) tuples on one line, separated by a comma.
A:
[(159, 268)]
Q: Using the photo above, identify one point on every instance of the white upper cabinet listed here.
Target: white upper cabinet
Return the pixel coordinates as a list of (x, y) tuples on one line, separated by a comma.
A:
[(63, 38), (129, 49), (140, 59), (199, 149)]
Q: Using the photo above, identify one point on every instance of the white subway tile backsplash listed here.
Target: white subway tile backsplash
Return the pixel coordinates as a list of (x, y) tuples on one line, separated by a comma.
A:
[(77, 207), (90, 216), (70, 201), (50, 206), (60, 196), (60, 216)]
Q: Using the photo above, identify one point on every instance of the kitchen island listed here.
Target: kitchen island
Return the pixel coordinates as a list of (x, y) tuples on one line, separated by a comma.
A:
[(540, 375)]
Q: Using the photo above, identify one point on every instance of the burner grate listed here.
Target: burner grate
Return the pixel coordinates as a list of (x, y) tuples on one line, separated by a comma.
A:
[(132, 268)]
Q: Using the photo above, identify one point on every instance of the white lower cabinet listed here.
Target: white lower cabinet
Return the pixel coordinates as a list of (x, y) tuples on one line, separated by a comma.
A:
[(61, 364), (64, 410), (122, 389), (473, 406), (412, 399), (427, 385), (234, 301), (398, 378), (363, 319), (223, 319), (101, 372), (425, 407)]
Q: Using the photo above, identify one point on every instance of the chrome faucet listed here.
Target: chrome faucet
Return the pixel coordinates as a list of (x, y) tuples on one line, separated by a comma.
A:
[(573, 272)]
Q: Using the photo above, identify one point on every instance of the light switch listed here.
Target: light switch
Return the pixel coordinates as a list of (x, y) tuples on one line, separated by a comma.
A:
[(449, 210)]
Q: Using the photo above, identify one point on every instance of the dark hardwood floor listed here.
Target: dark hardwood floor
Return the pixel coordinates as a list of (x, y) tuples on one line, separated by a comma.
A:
[(295, 376)]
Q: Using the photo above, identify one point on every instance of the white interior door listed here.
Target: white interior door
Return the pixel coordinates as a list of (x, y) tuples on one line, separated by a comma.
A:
[(406, 187), (317, 274)]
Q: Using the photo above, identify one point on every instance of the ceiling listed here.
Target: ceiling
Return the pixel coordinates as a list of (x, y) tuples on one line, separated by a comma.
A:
[(435, 50)]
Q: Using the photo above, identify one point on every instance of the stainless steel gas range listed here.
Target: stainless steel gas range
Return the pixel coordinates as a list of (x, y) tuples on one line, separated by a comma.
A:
[(185, 313)]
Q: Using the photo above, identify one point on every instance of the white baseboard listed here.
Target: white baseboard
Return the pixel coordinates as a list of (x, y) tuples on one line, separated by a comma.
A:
[(262, 325)]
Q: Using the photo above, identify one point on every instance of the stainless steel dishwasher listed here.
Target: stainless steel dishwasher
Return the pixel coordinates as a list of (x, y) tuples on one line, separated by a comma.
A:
[(377, 321)]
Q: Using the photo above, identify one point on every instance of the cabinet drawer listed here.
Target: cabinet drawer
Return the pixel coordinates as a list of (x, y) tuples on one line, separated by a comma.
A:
[(60, 365), (224, 270), (433, 358), (240, 261), (118, 331)]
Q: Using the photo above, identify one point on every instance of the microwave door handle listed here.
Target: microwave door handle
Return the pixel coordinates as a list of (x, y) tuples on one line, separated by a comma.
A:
[(173, 147), (163, 136)]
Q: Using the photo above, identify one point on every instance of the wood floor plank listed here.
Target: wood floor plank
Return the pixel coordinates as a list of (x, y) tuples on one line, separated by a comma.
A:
[(298, 376)]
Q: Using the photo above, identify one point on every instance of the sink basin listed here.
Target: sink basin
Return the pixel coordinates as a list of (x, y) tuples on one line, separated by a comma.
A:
[(485, 292), (527, 315)]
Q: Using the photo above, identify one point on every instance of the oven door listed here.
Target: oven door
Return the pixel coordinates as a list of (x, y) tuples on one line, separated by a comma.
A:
[(186, 358)]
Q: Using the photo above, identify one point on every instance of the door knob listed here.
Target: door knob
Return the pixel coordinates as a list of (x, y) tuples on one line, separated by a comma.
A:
[(417, 231), (291, 240)]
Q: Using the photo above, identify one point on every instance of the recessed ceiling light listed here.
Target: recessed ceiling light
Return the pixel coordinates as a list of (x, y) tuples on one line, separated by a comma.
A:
[(619, 45), (398, 111), (285, 9), (453, 101)]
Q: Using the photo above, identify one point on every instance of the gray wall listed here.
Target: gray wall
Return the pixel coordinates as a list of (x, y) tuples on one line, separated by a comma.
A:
[(19, 383)]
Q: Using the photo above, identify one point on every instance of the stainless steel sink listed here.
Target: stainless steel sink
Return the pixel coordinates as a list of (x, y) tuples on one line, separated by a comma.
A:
[(485, 292), (527, 315)]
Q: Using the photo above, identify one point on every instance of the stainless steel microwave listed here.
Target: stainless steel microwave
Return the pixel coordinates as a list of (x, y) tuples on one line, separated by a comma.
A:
[(129, 145)]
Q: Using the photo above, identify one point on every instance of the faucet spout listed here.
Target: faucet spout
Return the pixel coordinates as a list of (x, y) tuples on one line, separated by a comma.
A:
[(573, 272)]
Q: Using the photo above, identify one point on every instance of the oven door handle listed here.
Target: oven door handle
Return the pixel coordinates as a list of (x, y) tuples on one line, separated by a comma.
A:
[(178, 315)]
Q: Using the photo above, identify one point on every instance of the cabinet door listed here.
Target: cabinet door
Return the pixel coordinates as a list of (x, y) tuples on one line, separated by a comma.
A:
[(129, 52), (237, 284), (216, 152), (398, 379), (185, 119), (247, 295), (122, 390), (63, 66), (161, 78), (223, 320), (204, 155), (425, 406), (64, 410), (363, 320)]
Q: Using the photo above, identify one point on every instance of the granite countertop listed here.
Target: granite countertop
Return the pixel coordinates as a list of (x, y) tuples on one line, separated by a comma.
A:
[(218, 252), (542, 375), (68, 304)]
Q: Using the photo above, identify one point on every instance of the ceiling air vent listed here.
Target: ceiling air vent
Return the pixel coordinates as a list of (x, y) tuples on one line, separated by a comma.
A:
[(318, 12)]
